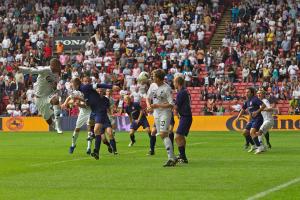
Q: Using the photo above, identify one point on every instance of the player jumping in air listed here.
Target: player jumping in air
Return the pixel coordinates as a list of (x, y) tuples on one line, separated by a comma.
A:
[(46, 98)]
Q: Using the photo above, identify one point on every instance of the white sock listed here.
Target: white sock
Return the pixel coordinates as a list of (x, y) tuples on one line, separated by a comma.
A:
[(74, 138), (89, 144), (57, 111), (169, 148), (260, 139)]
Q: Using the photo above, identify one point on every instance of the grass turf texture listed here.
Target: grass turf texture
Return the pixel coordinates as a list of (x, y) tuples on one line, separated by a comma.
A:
[(38, 166)]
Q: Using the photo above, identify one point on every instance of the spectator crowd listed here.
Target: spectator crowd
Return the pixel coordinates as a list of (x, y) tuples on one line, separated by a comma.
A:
[(261, 47)]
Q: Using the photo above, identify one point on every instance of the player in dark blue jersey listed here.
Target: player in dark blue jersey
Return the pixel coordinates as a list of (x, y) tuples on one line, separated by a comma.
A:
[(137, 118), (108, 128), (254, 106), (183, 108), (98, 107)]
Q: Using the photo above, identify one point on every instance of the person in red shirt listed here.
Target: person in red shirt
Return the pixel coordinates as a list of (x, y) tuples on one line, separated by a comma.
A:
[(47, 52)]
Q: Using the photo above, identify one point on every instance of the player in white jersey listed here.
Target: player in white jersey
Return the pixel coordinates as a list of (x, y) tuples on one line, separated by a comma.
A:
[(46, 99), (83, 117), (268, 118), (161, 95)]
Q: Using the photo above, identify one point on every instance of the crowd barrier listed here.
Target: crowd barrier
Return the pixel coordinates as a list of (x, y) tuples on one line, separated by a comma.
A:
[(200, 123)]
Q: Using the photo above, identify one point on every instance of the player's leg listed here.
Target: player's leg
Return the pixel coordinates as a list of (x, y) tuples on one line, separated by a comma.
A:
[(57, 111), (264, 130), (171, 132), (248, 138), (104, 139), (267, 136), (133, 127), (98, 126), (255, 126), (182, 132), (113, 125), (162, 125), (81, 120), (112, 141), (152, 140), (74, 140), (91, 135)]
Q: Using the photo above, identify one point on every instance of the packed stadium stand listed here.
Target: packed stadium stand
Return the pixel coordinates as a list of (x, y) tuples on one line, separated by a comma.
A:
[(259, 47)]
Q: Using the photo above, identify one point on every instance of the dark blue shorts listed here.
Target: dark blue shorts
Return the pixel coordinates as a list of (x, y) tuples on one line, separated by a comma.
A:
[(143, 122), (101, 118), (105, 126), (92, 116), (254, 123), (184, 126)]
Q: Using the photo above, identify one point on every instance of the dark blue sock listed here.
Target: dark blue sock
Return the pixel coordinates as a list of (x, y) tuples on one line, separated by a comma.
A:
[(249, 139), (171, 136), (132, 138), (257, 143), (113, 145), (97, 143), (182, 152), (106, 142), (152, 142)]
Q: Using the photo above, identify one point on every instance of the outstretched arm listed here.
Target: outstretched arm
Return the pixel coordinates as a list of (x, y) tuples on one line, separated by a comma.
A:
[(34, 70), (106, 86)]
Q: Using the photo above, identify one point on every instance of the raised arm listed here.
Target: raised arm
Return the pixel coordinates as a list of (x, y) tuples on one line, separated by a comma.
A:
[(106, 86), (34, 70)]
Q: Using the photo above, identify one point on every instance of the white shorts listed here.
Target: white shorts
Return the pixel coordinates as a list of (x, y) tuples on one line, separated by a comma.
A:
[(266, 126), (83, 117), (162, 120), (44, 106)]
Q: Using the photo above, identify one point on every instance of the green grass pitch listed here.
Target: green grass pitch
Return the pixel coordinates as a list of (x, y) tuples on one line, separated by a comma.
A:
[(38, 166)]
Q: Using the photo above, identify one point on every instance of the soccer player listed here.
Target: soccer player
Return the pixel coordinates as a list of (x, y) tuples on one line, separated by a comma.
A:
[(254, 106), (161, 95), (183, 108), (96, 102), (83, 117), (268, 118), (108, 127), (46, 99), (137, 118)]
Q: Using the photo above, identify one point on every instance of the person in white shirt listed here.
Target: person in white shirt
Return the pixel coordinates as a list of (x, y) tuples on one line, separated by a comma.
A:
[(10, 108), (293, 69), (83, 116), (33, 109), (136, 96), (25, 108), (45, 91), (17, 112), (160, 94), (268, 118)]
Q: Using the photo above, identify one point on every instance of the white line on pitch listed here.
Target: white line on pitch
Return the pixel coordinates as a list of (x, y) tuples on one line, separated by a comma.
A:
[(86, 158), (274, 189)]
